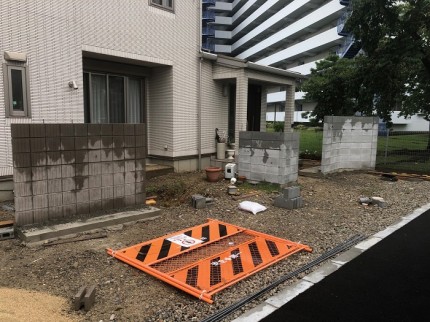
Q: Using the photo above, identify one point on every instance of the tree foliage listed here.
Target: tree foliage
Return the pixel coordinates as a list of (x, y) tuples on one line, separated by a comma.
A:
[(394, 72)]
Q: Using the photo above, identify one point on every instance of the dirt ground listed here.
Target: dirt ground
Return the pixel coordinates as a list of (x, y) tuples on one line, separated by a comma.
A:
[(330, 215)]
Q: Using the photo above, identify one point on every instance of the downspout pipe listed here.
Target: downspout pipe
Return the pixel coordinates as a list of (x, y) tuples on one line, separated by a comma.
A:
[(199, 94)]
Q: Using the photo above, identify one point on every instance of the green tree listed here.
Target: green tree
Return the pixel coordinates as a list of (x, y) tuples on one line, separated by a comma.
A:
[(394, 72)]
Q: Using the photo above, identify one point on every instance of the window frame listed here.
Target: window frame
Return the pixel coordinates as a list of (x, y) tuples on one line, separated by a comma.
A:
[(8, 95), (164, 5)]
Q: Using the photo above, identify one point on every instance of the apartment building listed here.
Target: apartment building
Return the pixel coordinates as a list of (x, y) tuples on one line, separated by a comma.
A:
[(288, 34), (130, 61)]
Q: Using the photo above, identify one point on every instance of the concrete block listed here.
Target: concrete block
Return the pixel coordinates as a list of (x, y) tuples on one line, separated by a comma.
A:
[(21, 160), (95, 206), (107, 167), (69, 210), (40, 201), (82, 169), (107, 204), (245, 143), (55, 200), (140, 129), (67, 130), (129, 200), (23, 203), (82, 196), (140, 153), (118, 154), (94, 142), (140, 187), (140, 141), (80, 129), (55, 213), (95, 181), (294, 203), (291, 192), (256, 176), (118, 166), (54, 172), (68, 157), (247, 135), (129, 141), (38, 173), (94, 129), (22, 174), (40, 215), (95, 169), (37, 145), (23, 218), (140, 199), (20, 130), (69, 197), (245, 151), (118, 129), (129, 177), (118, 142), (68, 143), (106, 155), (129, 189), (38, 159), (118, 191), (107, 192), (130, 153), (40, 187), (21, 145), (119, 202), (53, 158), (106, 130), (118, 179), (107, 142), (55, 185), (52, 130), (130, 166), (244, 159), (22, 189), (95, 194), (94, 155), (81, 143), (272, 178), (141, 176), (67, 171), (107, 180), (83, 208), (81, 182)]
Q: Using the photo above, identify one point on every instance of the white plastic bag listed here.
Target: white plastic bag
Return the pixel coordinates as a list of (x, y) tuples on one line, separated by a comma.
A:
[(251, 206)]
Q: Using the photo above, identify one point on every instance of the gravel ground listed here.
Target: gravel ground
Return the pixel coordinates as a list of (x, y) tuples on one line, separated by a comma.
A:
[(330, 215)]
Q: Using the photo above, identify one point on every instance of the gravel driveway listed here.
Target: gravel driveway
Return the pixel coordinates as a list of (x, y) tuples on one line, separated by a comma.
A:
[(330, 215)]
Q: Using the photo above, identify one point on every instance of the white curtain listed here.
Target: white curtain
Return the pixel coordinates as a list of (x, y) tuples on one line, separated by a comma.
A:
[(98, 109), (134, 100)]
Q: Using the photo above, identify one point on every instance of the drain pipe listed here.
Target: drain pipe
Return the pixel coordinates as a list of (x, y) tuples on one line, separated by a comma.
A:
[(199, 115)]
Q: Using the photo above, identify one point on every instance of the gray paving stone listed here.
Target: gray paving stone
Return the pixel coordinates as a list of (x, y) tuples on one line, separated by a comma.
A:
[(257, 313), (288, 293), (347, 256), (322, 272)]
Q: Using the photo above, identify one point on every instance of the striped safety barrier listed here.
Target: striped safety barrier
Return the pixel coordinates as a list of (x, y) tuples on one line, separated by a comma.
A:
[(205, 259)]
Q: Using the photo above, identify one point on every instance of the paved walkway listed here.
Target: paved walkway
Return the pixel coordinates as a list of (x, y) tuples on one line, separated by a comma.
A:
[(388, 280)]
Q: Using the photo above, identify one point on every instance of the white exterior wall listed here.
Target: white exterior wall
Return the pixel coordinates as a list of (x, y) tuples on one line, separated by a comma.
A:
[(53, 34)]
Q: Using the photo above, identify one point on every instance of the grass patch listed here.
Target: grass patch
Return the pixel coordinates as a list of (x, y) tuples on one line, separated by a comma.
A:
[(310, 143)]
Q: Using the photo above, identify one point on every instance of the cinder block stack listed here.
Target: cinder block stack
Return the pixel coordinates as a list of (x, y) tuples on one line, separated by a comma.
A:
[(289, 199)]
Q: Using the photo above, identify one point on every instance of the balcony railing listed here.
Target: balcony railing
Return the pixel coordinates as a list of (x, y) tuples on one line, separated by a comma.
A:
[(209, 2), (350, 48), (208, 15), (209, 45), (341, 22), (208, 31), (345, 2)]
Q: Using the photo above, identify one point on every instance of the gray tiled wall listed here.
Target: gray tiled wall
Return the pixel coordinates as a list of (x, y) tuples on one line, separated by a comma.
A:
[(269, 157), (349, 143), (63, 170)]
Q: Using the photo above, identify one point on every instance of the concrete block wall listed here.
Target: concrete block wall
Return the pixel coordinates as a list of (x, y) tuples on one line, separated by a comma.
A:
[(269, 157), (349, 143), (64, 170)]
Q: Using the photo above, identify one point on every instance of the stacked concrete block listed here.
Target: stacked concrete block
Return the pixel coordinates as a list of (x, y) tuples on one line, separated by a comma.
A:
[(289, 199), (349, 143), (269, 157), (64, 170)]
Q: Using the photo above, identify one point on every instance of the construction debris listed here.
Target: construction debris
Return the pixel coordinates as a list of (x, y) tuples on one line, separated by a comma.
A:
[(6, 229), (394, 176), (289, 199), (365, 201), (245, 196), (199, 202), (85, 298)]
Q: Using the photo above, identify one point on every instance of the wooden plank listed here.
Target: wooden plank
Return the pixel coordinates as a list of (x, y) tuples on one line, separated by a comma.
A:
[(6, 223)]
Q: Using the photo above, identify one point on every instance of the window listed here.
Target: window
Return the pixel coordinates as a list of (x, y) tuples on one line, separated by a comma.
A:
[(165, 4), (113, 98), (16, 90)]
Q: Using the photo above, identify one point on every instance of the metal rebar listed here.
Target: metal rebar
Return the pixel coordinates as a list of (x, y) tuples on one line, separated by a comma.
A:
[(337, 249)]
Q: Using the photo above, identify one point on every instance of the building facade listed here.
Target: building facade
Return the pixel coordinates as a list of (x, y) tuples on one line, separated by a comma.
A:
[(124, 62)]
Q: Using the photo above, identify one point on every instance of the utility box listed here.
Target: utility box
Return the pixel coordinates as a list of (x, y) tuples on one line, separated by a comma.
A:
[(230, 170)]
